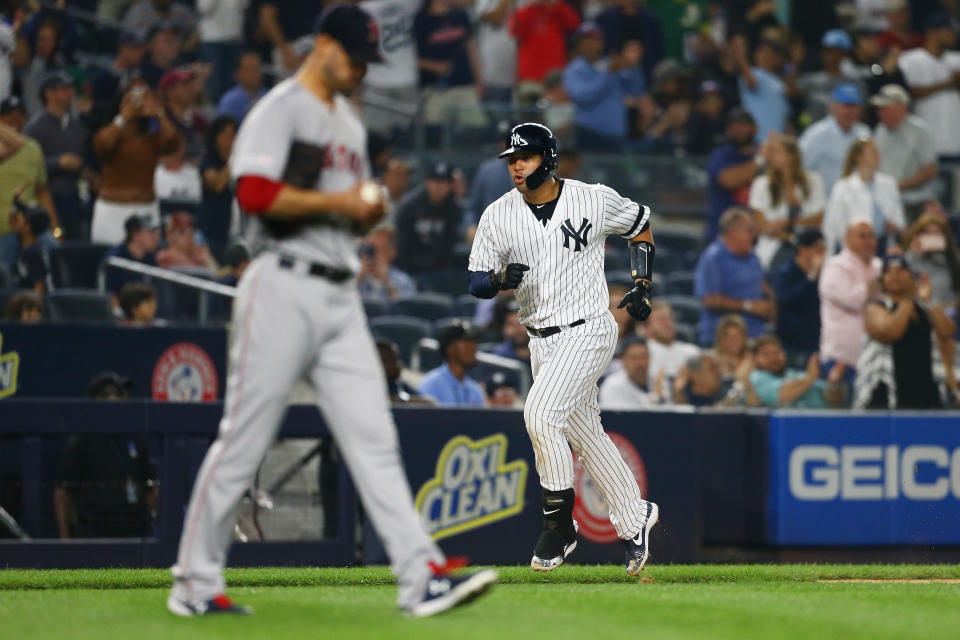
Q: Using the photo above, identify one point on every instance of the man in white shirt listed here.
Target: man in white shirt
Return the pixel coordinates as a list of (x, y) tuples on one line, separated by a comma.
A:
[(932, 73), (667, 354), (629, 388), (906, 148), (390, 92), (221, 40), (497, 49)]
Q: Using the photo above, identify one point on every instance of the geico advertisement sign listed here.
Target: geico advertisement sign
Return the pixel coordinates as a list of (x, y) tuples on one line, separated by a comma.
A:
[(823, 472)]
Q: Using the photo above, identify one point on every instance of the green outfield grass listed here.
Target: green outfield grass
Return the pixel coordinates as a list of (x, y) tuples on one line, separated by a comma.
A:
[(582, 602)]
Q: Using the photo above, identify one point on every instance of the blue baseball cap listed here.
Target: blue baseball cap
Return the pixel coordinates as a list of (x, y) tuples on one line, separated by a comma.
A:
[(837, 39), (846, 94)]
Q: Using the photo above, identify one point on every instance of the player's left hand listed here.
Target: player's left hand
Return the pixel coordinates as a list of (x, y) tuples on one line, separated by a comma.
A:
[(637, 301)]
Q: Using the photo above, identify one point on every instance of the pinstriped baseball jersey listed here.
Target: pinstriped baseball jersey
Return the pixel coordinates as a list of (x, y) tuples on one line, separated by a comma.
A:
[(289, 115), (566, 279)]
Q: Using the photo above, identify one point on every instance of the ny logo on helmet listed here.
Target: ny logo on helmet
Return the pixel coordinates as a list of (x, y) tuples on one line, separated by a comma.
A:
[(517, 140), (579, 236)]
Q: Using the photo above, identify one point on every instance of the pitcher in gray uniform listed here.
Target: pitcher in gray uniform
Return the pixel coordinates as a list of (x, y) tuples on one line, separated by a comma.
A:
[(300, 165)]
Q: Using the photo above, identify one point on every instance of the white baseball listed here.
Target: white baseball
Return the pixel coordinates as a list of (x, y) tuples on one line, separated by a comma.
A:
[(370, 192)]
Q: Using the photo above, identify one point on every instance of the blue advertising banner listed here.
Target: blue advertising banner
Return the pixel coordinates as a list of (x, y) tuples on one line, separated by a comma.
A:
[(476, 487), (867, 479), (171, 364)]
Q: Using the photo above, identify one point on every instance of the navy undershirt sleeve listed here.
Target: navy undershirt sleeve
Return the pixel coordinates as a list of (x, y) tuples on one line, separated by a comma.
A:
[(480, 285)]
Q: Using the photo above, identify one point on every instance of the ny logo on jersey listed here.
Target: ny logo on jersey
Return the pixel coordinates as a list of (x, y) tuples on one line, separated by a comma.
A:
[(517, 140), (579, 236)]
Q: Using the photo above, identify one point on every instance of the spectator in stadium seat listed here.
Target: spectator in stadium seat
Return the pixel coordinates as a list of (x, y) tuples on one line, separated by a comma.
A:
[(236, 259), (817, 86), (541, 28), (46, 59), (237, 101), (63, 138), (730, 346), (630, 387), (163, 51), (699, 383), (175, 179), (847, 282), (107, 83), (398, 390), (863, 192), (778, 386), (182, 248), (732, 168), (138, 302), (449, 383), (907, 359), (287, 27), (428, 223), (214, 216), (497, 50), (763, 92), (786, 198), (31, 271), (390, 91), (824, 144), (148, 14), (872, 66), (931, 248), (502, 392), (129, 148), (25, 307), (906, 149), (396, 180), (900, 34), (490, 181), (729, 278), (931, 75), (378, 278), (707, 125), (798, 301), (556, 109), (667, 354), (140, 245), (598, 89), (631, 21), (516, 340), (450, 74), (23, 174), (179, 90), (221, 41), (108, 485)]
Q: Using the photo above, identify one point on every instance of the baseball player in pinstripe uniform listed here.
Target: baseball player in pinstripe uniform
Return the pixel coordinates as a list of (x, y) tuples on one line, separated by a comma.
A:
[(300, 163), (545, 239)]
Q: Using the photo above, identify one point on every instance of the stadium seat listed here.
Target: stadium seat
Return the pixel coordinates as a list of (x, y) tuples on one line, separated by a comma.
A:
[(677, 241), (449, 281), (405, 331), (686, 309), (79, 305), (76, 265), (466, 305), (375, 307), (426, 305), (680, 283)]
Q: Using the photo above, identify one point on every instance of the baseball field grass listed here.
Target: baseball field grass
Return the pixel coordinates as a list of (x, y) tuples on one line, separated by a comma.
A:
[(581, 602)]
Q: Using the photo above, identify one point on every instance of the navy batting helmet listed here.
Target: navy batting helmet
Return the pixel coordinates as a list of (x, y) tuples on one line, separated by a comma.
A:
[(532, 137)]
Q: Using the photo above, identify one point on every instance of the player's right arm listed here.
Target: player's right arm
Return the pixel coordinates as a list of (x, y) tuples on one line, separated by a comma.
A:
[(488, 271)]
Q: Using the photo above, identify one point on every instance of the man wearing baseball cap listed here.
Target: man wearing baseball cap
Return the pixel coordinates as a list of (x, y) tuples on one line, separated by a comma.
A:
[(931, 72), (906, 149), (835, 47), (179, 89), (449, 383), (428, 223), (824, 144)]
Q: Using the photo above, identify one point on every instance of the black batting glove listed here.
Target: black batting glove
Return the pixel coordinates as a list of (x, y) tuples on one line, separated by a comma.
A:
[(637, 301), (509, 276)]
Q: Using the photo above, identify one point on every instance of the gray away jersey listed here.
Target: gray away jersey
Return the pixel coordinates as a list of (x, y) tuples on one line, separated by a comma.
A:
[(290, 117), (566, 281)]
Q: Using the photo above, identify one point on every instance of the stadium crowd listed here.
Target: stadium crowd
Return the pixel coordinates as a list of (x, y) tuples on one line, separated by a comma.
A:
[(826, 274)]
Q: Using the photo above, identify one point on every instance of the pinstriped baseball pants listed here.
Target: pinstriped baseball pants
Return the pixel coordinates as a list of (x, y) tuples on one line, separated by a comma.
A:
[(562, 411)]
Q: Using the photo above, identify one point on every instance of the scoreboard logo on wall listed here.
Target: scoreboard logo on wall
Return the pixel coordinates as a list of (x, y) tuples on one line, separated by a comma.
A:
[(473, 486)]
